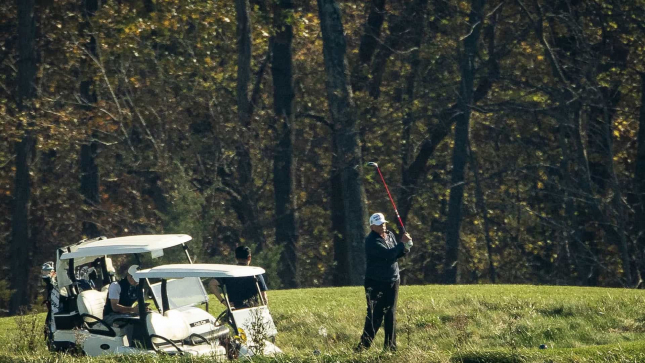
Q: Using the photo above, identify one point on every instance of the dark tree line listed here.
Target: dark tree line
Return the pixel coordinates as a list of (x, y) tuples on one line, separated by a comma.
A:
[(511, 134)]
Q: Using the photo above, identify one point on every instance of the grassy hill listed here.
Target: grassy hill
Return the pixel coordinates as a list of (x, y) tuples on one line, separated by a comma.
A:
[(469, 323)]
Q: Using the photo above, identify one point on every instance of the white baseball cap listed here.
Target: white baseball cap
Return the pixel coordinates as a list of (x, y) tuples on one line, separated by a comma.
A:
[(133, 270), (377, 219)]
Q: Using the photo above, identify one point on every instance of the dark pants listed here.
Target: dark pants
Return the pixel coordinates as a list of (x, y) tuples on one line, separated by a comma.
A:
[(381, 302)]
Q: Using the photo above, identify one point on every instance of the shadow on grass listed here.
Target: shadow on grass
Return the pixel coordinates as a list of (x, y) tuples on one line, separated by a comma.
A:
[(489, 357), (556, 311)]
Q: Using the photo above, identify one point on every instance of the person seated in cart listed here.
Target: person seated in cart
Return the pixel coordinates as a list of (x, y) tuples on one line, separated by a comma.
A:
[(242, 293), (121, 297)]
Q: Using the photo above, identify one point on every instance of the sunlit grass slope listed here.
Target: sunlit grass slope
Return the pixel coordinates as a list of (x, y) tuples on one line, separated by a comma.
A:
[(474, 323)]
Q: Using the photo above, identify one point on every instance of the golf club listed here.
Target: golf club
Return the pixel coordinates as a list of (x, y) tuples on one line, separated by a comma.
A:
[(388, 194)]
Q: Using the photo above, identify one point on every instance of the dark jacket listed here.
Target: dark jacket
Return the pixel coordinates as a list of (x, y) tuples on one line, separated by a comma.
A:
[(127, 297), (381, 255), (243, 291)]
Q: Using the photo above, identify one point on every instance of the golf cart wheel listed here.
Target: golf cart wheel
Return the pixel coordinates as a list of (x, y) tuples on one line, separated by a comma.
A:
[(232, 347)]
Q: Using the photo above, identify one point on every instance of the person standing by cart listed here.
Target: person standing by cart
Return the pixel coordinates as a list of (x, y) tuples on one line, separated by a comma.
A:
[(242, 292), (382, 281)]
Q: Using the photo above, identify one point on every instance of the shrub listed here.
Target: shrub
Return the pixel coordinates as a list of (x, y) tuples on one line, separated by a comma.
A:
[(29, 337)]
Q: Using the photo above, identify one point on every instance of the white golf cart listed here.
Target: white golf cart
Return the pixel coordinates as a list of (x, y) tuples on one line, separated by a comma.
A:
[(77, 291), (180, 327)]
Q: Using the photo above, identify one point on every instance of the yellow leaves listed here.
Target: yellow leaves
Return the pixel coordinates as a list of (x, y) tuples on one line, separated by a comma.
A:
[(540, 185), (241, 335), (527, 48), (208, 61), (131, 29), (539, 97)]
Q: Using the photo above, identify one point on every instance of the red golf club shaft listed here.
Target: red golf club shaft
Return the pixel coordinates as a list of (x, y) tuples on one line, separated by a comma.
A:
[(391, 200)]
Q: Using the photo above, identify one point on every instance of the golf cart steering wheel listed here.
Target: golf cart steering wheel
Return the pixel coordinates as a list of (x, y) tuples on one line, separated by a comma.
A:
[(225, 318)]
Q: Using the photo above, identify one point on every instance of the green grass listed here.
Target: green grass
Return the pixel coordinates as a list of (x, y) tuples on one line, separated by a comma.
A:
[(474, 323)]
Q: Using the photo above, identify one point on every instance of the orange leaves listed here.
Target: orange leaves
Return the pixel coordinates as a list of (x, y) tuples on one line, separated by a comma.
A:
[(134, 81)]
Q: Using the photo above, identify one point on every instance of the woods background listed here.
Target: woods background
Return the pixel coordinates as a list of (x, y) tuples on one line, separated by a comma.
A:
[(512, 134)]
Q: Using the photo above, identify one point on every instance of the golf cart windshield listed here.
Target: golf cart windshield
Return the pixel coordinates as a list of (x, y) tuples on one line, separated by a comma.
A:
[(188, 291), (184, 286)]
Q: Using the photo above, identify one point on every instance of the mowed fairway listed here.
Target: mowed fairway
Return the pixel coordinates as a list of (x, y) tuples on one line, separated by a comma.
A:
[(469, 323), (437, 323)]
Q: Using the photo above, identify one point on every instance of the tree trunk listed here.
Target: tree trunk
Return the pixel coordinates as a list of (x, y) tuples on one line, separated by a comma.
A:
[(369, 42), (243, 61), (417, 169), (342, 248), (415, 63), (21, 239), (89, 185), (639, 178), (339, 96), (286, 232), (246, 205), (617, 235), (591, 210), (580, 240), (571, 235), (480, 202), (89, 170), (584, 211), (460, 149), (403, 33)]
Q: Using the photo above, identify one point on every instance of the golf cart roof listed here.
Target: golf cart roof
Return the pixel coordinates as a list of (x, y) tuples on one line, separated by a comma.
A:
[(126, 245), (198, 270)]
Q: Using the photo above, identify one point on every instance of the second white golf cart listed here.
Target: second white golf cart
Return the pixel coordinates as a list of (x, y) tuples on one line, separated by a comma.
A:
[(77, 288), (178, 323)]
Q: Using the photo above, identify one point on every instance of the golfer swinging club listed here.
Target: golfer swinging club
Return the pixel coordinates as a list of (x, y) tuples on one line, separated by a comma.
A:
[(382, 281)]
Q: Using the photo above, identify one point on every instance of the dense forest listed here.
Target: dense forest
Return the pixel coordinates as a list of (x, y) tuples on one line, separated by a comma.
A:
[(510, 132)]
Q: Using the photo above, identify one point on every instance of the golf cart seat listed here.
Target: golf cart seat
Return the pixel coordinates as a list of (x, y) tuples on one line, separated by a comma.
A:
[(111, 271), (167, 330), (109, 267), (90, 305), (171, 333)]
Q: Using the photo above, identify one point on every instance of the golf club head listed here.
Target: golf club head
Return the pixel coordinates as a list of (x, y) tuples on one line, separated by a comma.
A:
[(372, 164)]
